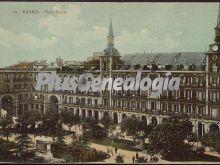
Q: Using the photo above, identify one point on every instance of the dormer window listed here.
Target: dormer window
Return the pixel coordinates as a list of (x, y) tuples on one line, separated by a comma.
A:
[(192, 67), (154, 67), (179, 67), (186, 67), (168, 67)]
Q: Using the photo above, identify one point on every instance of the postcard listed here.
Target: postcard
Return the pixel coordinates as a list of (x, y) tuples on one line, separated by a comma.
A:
[(109, 82)]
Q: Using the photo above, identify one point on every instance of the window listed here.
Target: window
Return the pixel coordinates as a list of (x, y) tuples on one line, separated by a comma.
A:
[(89, 101), (119, 103), (83, 101), (133, 105), (96, 102), (77, 100), (70, 100), (176, 108), (153, 105), (114, 103), (6, 77), (214, 96), (6, 87), (123, 103), (143, 105), (164, 106), (214, 81), (188, 94), (188, 80), (214, 67), (200, 110), (188, 109)]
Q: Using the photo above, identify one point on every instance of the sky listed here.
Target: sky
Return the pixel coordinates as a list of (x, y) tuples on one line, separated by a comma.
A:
[(82, 30)]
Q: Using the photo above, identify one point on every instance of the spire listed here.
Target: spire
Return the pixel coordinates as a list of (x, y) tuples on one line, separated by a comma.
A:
[(218, 21), (110, 32), (217, 28), (110, 37), (110, 50)]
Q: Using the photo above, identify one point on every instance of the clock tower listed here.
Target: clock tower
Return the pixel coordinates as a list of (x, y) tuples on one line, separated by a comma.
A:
[(214, 49)]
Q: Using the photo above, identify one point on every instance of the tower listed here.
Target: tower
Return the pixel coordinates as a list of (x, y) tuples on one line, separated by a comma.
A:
[(217, 28), (212, 70), (213, 54), (110, 37), (111, 58)]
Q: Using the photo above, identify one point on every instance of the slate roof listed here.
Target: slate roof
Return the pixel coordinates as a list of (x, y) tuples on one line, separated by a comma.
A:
[(173, 58)]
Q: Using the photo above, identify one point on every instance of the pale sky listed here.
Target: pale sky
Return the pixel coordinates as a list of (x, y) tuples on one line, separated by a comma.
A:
[(138, 27)]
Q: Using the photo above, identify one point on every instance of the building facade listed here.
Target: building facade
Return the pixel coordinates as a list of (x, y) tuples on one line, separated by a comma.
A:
[(198, 96)]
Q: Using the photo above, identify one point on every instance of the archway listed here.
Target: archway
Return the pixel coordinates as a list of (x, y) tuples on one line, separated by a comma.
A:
[(96, 114), (90, 113), (106, 114), (115, 118), (7, 104), (83, 113), (164, 120), (144, 121), (154, 121), (213, 128), (77, 111), (199, 129), (123, 116), (53, 103)]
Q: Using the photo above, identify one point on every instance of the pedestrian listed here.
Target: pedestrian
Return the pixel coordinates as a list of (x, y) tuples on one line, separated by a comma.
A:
[(136, 155), (111, 150), (116, 149), (133, 159), (108, 151)]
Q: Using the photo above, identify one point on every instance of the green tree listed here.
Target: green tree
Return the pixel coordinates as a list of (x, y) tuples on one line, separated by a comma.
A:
[(168, 139), (33, 118), (147, 130), (106, 121), (92, 129), (76, 119), (6, 147), (6, 124), (132, 126), (67, 118), (50, 123), (23, 141)]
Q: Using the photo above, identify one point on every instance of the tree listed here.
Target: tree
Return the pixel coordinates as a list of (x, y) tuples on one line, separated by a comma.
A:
[(50, 123), (212, 140), (132, 126), (106, 121), (23, 140), (168, 139), (6, 124), (92, 129), (6, 148), (76, 119), (33, 118), (67, 118), (147, 130)]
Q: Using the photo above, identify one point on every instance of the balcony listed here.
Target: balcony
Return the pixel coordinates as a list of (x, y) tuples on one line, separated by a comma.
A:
[(204, 116), (22, 79), (7, 80), (31, 100)]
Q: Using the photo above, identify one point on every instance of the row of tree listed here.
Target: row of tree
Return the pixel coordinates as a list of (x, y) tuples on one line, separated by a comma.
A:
[(173, 137)]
